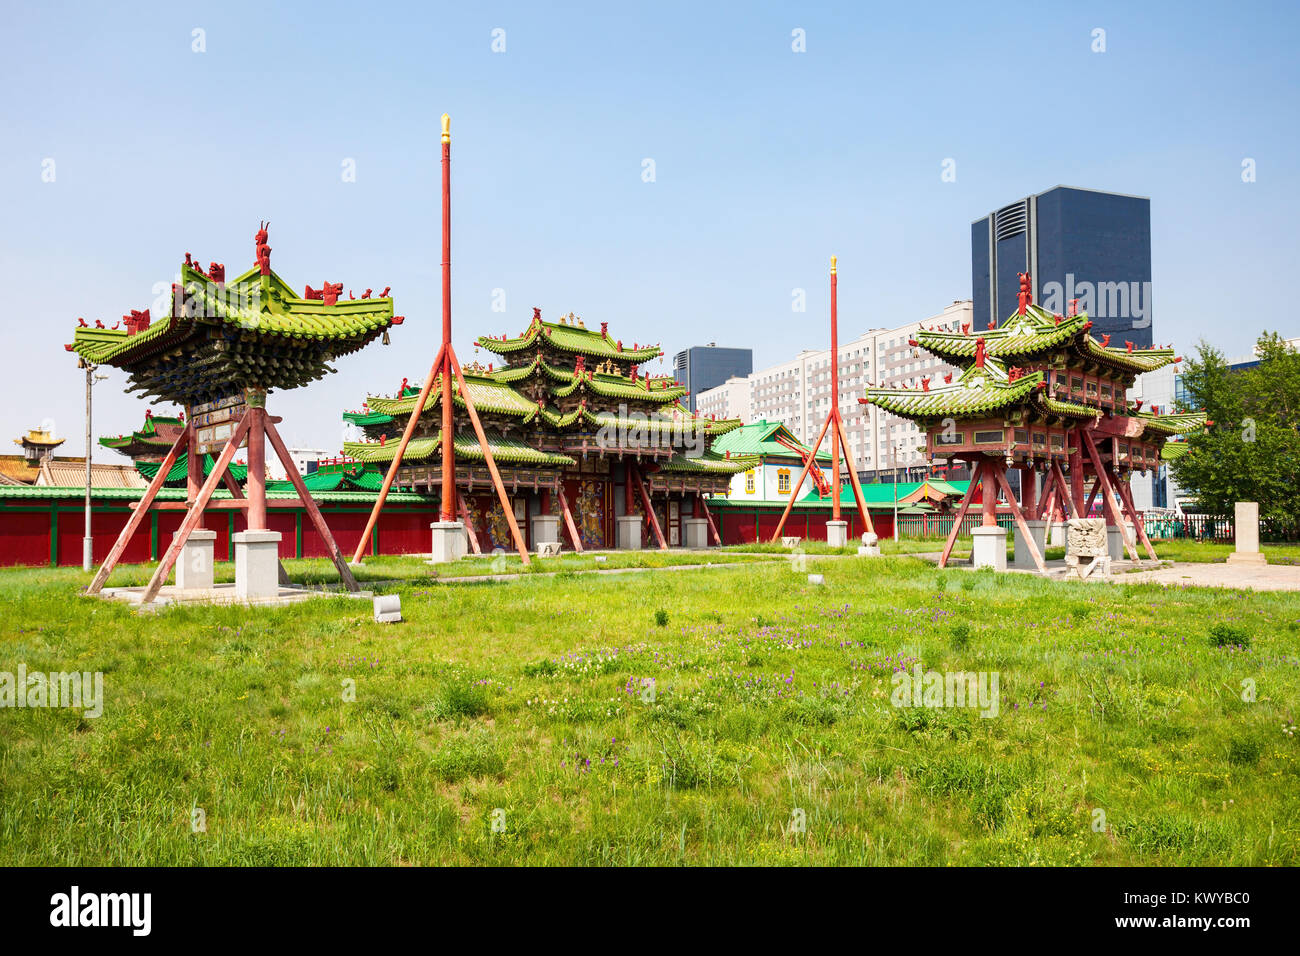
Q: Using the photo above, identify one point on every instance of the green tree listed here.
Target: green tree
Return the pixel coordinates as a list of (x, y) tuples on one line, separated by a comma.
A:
[(1252, 451)]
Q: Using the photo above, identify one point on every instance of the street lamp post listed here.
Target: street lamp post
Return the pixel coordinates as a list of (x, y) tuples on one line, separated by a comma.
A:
[(898, 451), (88, 542)]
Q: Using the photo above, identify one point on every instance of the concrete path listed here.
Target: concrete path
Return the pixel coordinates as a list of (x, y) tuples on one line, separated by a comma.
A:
[(1207, 574)]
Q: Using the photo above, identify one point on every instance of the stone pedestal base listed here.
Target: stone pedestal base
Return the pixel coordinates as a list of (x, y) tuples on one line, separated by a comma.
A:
[(1246, 557), (1245, 532), (545, 528), (449, 541), (629, 532), (837, 533), (870, 547), (257, 564), (194, 566), (1056, 534), (1038, 532), (1115, 543), (697, 532), (989, 548)]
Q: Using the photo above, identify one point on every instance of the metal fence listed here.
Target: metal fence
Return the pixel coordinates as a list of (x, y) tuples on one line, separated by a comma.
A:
[(940, 525), (1191, 527)]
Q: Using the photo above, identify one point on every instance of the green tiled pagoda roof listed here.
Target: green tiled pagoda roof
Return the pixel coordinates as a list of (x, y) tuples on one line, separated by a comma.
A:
[(560, 420), (1064, 409), (761, 438), (146, 435), (368, 480), (367, 418), (488, 394), (711, 463), (569, 338), (1139, 360), (315, 482), (504, 450), (1036, 332), (218, 338), (1029, 334), (650, 423), (878, 494), (976, 392), (180, 470), (1177, 423), (716, 427), (1173, 450), (661, 389), (178, 494)]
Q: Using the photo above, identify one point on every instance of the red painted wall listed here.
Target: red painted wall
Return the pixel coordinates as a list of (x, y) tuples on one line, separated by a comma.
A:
[(26, 538), (404, 533), (25, 535), (744, 528)]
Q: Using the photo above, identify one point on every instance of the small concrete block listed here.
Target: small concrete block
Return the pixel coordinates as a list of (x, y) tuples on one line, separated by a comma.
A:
[(1115, 543), (790, 540), (545, 528), (548, 549), (696, 532), (449, 541), (837, 533), (1038, 534), (601, 558), (194, 566), (388, 609), (1245, 532), (629, 532), (989, 548), (816, 579), (257, 564)]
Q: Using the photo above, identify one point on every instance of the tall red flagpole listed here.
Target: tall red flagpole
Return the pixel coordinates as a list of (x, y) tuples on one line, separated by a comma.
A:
[(835, 394), (839, 436), (448, 510)]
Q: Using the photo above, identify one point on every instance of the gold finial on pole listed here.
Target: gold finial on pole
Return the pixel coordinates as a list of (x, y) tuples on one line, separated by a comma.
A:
[(446, 127), (833, 265)]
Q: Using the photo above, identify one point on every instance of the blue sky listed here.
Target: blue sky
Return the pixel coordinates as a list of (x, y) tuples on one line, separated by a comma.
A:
[(767, 161)]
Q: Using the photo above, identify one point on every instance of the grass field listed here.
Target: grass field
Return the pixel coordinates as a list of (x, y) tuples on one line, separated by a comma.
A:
[(769, 737)]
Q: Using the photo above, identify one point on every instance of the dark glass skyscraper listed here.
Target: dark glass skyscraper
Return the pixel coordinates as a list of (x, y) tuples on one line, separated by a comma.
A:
[(706, 366), (1075, 244)]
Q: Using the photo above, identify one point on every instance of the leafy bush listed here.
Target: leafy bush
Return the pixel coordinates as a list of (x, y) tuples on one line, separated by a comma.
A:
[(1244, 751), (960, 636), (460, 700), (543, 668), (1228, 635), (473, 755)]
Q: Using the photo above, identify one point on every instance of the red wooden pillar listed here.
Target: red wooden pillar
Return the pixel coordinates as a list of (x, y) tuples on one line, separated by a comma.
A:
[(1076, 474), (256, 400), (1029, 491), (546, 501), (989, 492), (194, 469)]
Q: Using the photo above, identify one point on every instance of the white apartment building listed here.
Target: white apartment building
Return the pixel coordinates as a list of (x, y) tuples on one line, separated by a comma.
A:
[(731, 399), (301, 458), (797, 392)]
